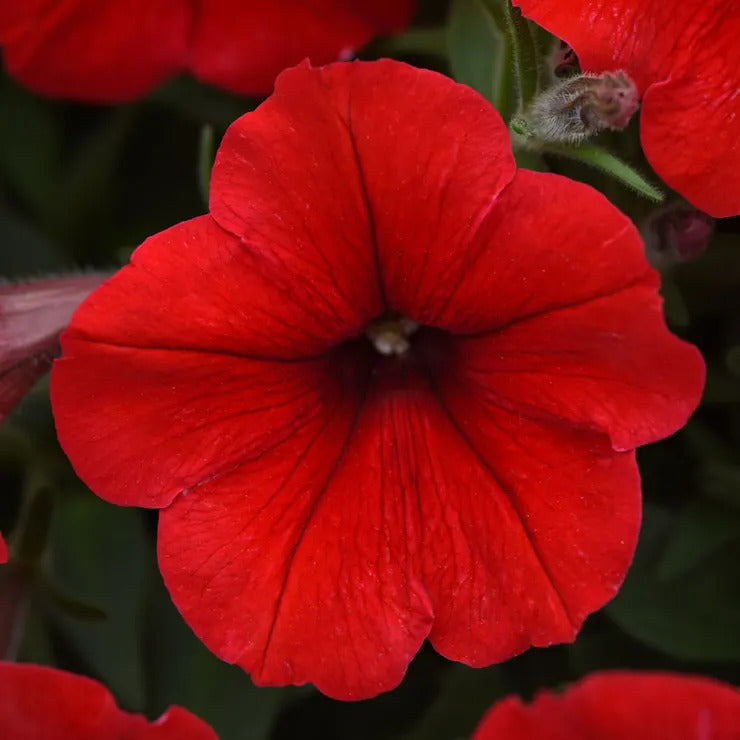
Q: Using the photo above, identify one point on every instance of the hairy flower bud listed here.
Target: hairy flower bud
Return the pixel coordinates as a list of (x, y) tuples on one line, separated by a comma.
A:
[(580, 107)]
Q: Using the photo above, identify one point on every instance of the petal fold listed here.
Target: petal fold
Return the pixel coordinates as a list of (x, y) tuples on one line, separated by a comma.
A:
[(609, 365), (335, 192), (298, 566)]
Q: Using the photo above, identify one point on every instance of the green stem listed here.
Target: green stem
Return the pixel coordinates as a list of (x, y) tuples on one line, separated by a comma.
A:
[(523, 50), (605, 161)]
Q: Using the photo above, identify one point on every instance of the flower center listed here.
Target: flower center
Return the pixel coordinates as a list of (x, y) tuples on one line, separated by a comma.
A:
[(390, 334)]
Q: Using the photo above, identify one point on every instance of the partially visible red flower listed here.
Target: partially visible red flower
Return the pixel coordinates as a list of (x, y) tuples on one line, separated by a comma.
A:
[(32, 315), (683, 56), (3, 551), (327, 506), (42, 703), (122, 49), (621, 705)]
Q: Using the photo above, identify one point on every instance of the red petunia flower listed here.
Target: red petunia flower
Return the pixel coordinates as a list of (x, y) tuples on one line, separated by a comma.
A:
[(115, 51), (41, 702), (32, 315), (388, 390), (616, 705), (3, 551), (683, 56)]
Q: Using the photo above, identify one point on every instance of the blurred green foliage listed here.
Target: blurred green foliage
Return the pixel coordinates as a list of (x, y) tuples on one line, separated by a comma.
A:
[(80, 186)]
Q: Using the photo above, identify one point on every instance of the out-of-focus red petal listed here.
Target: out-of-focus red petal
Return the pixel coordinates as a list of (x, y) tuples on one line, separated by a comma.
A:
[(93, 51), (3, 551), (615, 705), (548, 243), (529, 526), (31, 317), (338, 173), (298, 565), (42, 702), (609, 364), (244, 45)]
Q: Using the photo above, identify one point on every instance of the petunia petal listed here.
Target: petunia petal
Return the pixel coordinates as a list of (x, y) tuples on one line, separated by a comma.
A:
[(610, 365), (338, 176), (614, 705), (649, 41), (299, 564), (243, 46), (548, 243), (530, 528), (325, 559), (93, 51), (144, 425), (196, 287), (690, 128), (3, 551), (682, 56), (42, 702), (32, 315)]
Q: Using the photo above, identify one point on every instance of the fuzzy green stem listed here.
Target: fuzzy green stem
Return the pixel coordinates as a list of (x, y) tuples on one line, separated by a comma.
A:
[(522, 47)]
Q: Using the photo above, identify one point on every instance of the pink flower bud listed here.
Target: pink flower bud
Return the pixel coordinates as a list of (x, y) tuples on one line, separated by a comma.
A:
[(32, 315), (676, 233), (580, 107)]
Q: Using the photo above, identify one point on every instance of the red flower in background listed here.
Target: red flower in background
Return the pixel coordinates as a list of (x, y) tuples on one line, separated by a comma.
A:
[(120, 50), (683, 56), (3, 551), (621, 705), (325, 506), (41, 702), (32, 315)]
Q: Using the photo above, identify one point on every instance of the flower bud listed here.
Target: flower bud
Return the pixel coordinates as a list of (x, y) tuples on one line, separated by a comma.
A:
[(32, 315), (564, 61), (676, 233), (580, 107)]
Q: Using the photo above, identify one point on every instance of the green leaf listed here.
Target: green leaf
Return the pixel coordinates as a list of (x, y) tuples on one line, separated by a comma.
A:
[(465, 695), (70, 605), (477, 52), (101, 556), (522, 48), (693, 616), (701, 528), (609, 164), (182, 671)]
